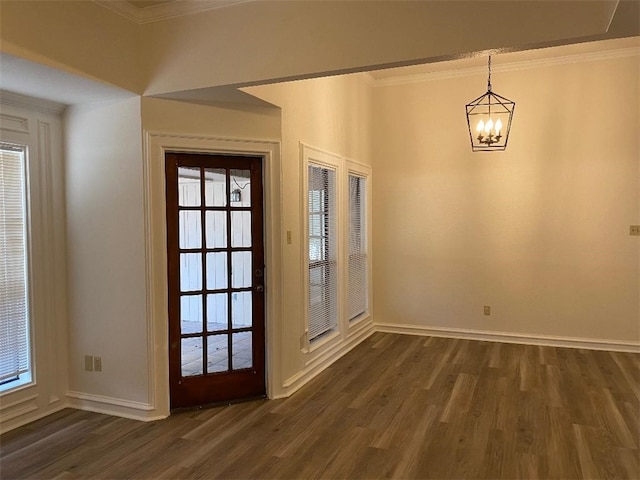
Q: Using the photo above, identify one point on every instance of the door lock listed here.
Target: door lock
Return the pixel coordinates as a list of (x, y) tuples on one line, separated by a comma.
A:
[(259, 288)]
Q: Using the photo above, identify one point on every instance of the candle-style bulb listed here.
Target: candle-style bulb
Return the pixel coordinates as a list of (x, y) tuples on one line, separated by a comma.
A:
[(480, 126), (498, 126), (488, 126)]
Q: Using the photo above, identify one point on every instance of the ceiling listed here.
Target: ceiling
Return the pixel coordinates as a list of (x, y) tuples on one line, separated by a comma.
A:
[(35, 80), (507, 61), (29, 78)]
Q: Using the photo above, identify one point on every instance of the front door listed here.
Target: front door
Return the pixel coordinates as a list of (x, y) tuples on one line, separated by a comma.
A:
[(215, 257)]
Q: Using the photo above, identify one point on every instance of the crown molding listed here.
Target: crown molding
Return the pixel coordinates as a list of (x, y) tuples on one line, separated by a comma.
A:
[(506, 67), (30, 103), (367, 78), (164, 11)]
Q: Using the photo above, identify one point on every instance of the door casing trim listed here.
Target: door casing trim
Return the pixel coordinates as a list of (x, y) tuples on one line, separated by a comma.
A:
[(156, 144)]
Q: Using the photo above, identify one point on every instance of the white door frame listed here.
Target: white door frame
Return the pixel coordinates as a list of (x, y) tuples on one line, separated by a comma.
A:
[(155, 145)]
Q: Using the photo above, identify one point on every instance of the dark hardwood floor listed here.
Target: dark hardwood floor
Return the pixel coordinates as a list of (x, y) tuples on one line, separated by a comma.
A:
[(395, 407)]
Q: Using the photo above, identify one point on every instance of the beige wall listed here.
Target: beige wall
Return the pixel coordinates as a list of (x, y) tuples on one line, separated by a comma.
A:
[(333, 114), (539, 232), (106, 250), (221, 120)]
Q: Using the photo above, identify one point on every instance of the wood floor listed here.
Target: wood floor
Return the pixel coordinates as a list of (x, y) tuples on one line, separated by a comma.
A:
[(395, 407)]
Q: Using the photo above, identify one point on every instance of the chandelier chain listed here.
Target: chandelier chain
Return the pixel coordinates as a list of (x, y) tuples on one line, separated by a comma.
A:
[(489, 79)]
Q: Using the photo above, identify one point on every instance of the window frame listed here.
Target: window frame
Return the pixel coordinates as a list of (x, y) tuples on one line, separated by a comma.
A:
[(345, 328), (28, 377), (318, 158)]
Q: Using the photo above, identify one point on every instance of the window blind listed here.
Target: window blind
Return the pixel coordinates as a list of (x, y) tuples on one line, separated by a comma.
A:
[(357, 282), (14, 331), (323, 281)]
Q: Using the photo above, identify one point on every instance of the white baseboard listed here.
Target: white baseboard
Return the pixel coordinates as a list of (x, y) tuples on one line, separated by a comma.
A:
[(505, 337), (328, 357), (113, 406), (27, 417)]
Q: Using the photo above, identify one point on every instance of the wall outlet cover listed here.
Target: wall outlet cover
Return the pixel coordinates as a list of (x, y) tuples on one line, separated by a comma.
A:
[(88, 363)]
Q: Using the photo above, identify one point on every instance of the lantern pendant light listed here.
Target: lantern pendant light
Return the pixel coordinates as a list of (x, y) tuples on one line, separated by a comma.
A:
[(489, 120)]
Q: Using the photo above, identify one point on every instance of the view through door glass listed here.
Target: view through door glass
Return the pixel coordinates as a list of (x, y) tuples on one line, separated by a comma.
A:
[(215, 257)]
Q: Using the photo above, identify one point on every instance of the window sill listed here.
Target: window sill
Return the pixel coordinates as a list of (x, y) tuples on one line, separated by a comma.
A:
[(24, 381), (328, 337)]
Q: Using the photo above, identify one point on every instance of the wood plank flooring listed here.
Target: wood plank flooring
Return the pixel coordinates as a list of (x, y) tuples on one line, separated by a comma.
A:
[(395, 407)]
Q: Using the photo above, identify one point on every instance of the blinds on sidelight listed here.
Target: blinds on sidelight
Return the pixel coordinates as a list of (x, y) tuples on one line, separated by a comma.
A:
[(323, 273), (357, 288), (14, 331)]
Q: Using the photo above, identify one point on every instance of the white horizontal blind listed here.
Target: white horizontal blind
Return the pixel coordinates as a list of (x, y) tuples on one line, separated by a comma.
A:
[(323, 272), (357, 283), (14, 331)]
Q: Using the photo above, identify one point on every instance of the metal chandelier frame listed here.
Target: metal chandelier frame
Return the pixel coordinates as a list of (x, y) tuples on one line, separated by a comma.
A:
[(487, 107)]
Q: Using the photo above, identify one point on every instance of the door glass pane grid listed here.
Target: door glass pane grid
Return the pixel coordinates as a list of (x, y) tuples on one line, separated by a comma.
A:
[(189, 187), (190, 229), (240, 188), (191, 356), (230, 312), (191, 314), (217, 312), (217, 353), (215, 187), (242, 355), (241, 309), (241, 228)]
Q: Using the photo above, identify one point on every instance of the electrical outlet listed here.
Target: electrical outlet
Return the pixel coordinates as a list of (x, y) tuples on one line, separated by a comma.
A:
[(634, 230), (487, 310), (97, 364), (88, 363)]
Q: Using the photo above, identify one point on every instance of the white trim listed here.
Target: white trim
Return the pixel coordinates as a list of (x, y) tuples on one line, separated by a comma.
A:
[(155, 146), (11, 123), (506, 67), (113, 406), (328, 357), (506, 337), (19, 407), (29, 418), (31, 103), (367, 78), (164, 11)]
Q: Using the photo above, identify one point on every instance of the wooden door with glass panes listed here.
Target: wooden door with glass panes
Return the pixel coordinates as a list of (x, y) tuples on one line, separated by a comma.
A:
[(215, 257)]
